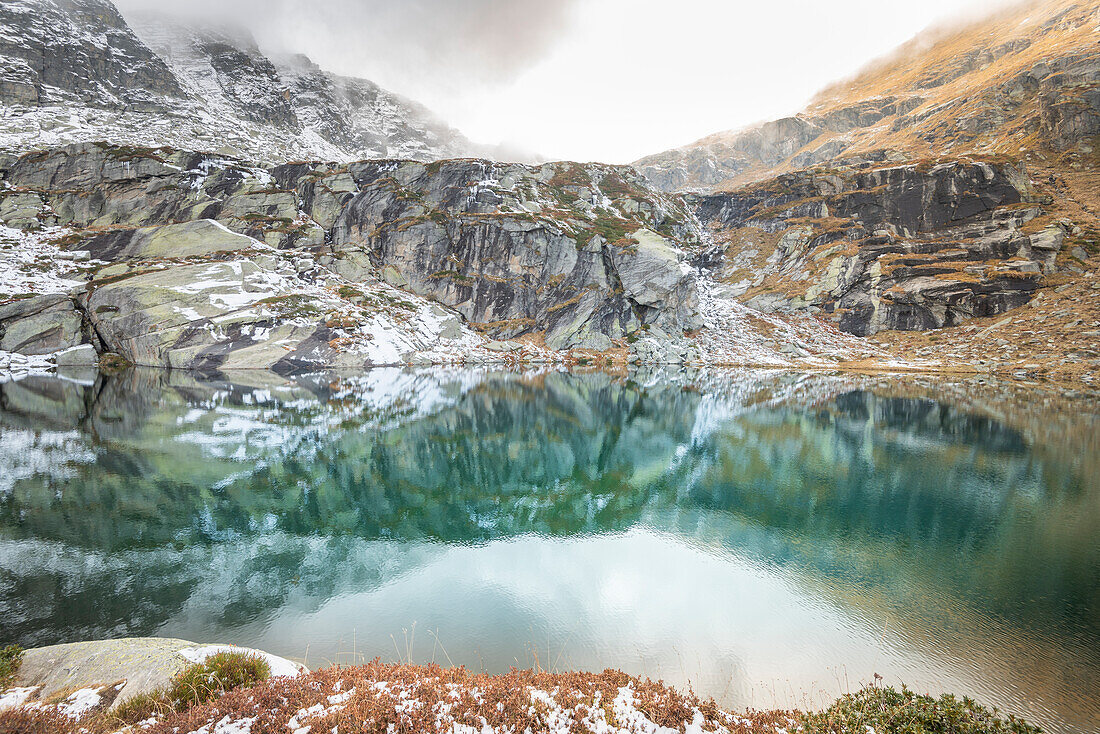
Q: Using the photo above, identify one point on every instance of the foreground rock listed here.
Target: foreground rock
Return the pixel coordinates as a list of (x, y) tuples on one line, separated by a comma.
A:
[(82, 677)]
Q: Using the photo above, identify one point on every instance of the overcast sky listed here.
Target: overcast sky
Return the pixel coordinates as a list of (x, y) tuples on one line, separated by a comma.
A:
[(608, 80)]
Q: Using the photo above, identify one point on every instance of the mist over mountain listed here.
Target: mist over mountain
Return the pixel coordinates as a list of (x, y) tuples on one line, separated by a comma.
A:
[(78, 71)]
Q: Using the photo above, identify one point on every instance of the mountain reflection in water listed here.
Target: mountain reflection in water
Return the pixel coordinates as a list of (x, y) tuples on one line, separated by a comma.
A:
[(775, 539)]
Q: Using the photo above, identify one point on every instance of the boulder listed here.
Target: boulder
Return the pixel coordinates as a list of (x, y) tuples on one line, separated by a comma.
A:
[(21, 210), (197, 238), (82, 355), (40, 325), (141, 664), (650, 269), (204, 316)]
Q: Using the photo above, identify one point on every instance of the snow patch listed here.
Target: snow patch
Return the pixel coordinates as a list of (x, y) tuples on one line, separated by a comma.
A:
[(15, 697)]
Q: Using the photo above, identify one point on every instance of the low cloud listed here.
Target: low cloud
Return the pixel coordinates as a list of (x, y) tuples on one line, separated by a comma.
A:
[(409, 44)]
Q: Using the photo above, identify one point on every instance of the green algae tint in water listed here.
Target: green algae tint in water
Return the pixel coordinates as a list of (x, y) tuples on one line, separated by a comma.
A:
[(771, 539)]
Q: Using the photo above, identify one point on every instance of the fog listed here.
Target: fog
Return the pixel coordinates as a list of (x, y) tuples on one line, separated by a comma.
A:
[(608, 80)]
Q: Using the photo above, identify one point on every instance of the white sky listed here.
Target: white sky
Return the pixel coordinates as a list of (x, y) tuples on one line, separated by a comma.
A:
[(634, 77), (608, 80)]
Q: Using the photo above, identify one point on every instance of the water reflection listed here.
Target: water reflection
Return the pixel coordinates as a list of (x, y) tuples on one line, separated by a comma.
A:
[(772, 538)]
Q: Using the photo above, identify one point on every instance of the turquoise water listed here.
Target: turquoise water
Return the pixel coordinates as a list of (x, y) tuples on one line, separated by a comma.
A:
[(770, 539)]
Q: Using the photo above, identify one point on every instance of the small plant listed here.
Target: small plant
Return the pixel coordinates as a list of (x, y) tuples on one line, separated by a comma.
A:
[(887, 710), (141, 707), (196, 684), (111, 362), (11, 657), (214, 676)]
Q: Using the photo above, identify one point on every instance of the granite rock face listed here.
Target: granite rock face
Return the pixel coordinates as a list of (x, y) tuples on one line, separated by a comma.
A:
[(570, 251), (198, 262), (40, 325), (176, 259), (906, 247)]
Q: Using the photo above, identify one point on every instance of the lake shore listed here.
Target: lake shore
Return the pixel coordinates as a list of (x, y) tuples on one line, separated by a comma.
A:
[(92, 687)]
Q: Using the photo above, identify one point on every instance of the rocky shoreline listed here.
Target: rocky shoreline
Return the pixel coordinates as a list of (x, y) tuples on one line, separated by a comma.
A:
[(157, 257)]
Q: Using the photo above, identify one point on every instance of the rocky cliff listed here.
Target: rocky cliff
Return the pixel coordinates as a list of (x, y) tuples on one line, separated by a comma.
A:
[(186, 260), (946, 184), (904, 247), (189, 260), (77, 71)]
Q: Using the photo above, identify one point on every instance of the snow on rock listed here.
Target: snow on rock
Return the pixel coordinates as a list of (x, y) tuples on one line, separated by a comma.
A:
[(152, 80), (15, 366), (227, 725), (14, 697), (80, 702), (280, 667)]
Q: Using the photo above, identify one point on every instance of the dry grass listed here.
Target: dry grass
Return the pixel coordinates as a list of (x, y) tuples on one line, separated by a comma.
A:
[(954, 75), (379, 697)]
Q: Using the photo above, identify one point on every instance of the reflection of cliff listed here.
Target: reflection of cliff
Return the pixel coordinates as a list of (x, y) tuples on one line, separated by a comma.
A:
[(895, 492), (153, 478), (557, 455)]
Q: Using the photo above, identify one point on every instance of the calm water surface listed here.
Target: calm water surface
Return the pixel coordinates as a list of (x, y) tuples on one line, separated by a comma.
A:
[(771, 539)]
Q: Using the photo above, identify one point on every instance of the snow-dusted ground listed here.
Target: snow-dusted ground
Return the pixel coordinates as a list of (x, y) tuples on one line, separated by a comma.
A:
[(30, 263), (735, 334), (15, 697), (557, 705)]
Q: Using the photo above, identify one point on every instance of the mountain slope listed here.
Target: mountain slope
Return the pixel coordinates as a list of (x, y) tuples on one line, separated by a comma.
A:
[(77, 52), (1024, 80), (947, 185), (76, 71)]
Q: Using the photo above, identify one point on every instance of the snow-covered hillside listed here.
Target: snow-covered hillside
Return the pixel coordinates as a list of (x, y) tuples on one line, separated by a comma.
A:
[(77, 71)]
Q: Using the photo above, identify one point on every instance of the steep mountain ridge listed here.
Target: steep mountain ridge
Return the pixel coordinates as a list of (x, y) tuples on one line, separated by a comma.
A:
[(78, 52), (1023, 80), (77, 71)]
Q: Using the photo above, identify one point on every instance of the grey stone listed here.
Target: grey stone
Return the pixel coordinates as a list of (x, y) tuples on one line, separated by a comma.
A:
[(143, 664), (503, 346), (56, 327), (452, 329), (183, 240), (82, 355)]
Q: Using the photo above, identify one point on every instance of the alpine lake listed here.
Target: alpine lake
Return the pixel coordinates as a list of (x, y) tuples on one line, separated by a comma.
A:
[(770, 539)]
